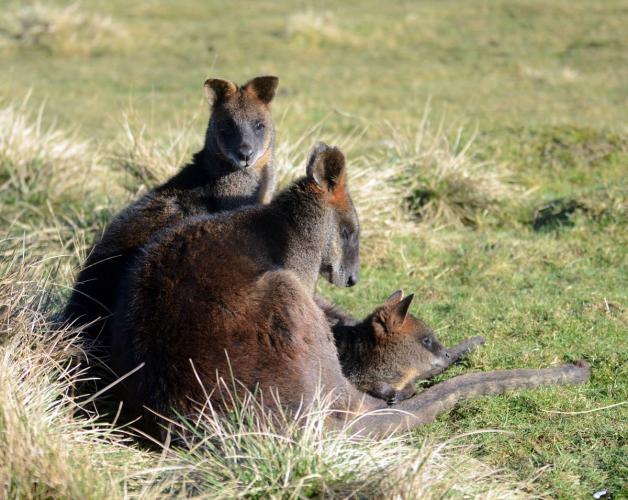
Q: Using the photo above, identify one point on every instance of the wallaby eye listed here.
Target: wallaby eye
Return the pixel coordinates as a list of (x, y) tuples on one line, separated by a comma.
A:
[(345, 233), (427, 342), (260, 126)]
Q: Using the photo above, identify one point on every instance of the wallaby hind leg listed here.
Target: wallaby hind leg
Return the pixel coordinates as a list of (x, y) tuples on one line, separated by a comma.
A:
[(425, 407)]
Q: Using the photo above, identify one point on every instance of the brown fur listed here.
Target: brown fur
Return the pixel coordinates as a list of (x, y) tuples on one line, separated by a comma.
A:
[(216, 180), (232, 296), (386, 353)]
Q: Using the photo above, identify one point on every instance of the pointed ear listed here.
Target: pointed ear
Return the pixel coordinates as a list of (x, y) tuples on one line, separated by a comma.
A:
[(399, 312), (263, 87), (218, 90), (326, 167), (387, 320), (394, 298)]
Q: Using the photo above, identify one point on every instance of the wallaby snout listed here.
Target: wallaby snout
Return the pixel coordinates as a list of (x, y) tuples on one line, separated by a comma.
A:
[(244, 155), (352, 279)]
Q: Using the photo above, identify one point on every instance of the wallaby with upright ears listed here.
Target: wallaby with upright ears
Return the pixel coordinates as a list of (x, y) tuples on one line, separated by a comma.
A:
[(234, 168), (232, 296)]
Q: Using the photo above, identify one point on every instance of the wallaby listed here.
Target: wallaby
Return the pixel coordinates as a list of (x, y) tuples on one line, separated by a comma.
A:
[(234, 168), (385, 354), (231, 296)]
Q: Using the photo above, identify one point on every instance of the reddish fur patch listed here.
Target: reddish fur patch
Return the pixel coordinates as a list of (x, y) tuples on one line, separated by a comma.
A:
[(339, 196), (264, 160)]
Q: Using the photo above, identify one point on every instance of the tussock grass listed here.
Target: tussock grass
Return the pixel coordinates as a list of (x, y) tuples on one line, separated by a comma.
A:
[(65, 30), (255, 453), (447, 183), (45, 449), (312, 27), (53, 184), (146, 160)]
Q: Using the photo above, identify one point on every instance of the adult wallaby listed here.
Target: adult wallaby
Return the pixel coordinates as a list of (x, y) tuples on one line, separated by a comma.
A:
[(233, 169), (231, 296), (386, 353)]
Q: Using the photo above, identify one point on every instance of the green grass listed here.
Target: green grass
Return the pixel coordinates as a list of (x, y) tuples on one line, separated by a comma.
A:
[(541, 89)]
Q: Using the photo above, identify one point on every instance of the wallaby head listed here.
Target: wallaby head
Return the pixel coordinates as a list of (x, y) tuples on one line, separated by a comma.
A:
[(327, 174), (397, 349), (240, 128)]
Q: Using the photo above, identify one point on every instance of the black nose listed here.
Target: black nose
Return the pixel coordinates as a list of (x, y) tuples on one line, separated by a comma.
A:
[(352, 279), (447, 355), (245, 152)]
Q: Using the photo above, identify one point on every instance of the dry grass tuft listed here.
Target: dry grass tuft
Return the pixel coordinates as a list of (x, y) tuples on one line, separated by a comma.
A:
[(445, 183), (63, 30), (45, 450), (146, 160), (313, 28), (256, 453), (52, 184)]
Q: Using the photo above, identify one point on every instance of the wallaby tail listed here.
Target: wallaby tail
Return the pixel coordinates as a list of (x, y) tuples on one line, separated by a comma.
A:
[(426, 406)]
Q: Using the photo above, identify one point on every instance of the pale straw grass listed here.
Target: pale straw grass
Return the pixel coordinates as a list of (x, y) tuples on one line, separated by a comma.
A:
[(53, 185), (46, 450), (253, 452), (67, 30), (445, 181), (314, 27)]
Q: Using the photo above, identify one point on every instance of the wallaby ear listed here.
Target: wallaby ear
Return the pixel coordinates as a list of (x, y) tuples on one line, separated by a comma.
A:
[(326, 167), (394, 298), (263, 87), (389, 319), (399, 312), (218, 90)]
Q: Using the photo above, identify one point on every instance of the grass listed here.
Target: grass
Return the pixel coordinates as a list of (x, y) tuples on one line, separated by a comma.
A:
[(503, 208), (61, 30)]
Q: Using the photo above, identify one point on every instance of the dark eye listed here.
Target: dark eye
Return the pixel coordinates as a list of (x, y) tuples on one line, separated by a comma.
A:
[(345, 233), (260, 126), (427, 342)]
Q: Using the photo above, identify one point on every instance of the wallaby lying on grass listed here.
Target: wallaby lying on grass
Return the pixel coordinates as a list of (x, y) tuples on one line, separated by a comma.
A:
[(386, 353), (231, 296), (233, 169)]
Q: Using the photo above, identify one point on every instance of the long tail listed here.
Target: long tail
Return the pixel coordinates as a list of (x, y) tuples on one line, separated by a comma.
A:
[(426, 406)]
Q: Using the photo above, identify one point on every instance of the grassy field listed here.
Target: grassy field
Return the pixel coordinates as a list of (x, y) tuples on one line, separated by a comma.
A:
[(488, 144)]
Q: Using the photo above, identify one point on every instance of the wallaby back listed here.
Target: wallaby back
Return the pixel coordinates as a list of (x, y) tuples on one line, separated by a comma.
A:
[(233, 169)]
